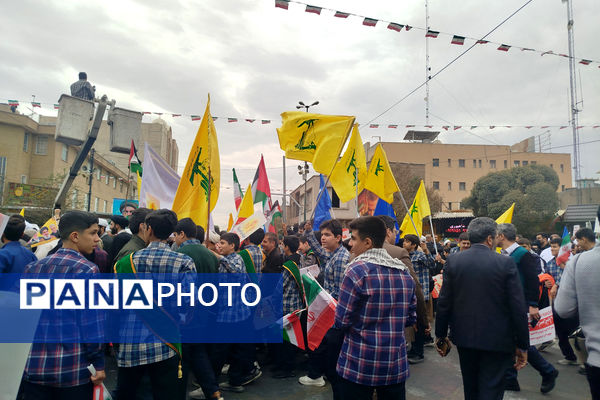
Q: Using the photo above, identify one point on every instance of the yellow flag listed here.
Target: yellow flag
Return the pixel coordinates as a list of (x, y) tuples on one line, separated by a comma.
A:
[(380, 179), (246, 206), (350, 173), (22, 212), (200, 179), (506, 218), (314, 137), (419, 210), (230, 223), (139, 184)]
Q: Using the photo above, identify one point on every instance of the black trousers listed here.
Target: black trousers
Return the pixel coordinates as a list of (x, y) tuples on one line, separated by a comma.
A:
[(41, 392), (483, 373), (324, 359), (200, 360), (241, 358), (593, 377), (285, 356), (355, 391), (163, 378), (564, 327)]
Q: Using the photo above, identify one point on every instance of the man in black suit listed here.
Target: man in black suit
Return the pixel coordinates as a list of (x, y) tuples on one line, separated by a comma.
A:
[(482, 303)]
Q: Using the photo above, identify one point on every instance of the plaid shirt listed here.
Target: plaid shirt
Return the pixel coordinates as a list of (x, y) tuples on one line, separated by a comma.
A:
[(421, 263), (65, 364), (376, 303), (553, 269), (159, 259), (256, 254), (232, 264), (292, 299), (334, 267)]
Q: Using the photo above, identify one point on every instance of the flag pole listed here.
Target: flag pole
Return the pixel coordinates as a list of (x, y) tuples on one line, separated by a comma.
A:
[(356, 187), (408, 211), (206, 233), (433, 235)]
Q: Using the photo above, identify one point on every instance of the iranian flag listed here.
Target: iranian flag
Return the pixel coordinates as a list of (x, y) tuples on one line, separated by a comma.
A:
[(395, 27), (56, 106), (274, 219), (459, 40), (341, 14), (135, 165), (292, 329), (313, 9), (369, 22), (565, 248), (237, 191), (261, 192), (196, 117), (13, 103), (321, 310)]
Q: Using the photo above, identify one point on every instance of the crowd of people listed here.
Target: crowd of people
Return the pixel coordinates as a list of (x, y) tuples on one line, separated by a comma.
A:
[(389, 295)]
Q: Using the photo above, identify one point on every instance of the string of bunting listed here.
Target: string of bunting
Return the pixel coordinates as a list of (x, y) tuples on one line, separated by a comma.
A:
[(195, 117), (394, 26)]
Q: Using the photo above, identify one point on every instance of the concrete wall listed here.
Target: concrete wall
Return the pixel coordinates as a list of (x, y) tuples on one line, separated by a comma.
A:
[(589, 195)]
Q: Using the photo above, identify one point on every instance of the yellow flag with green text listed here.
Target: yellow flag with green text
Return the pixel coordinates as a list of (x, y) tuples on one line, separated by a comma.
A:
[(316, 138), (350, 173), (506, 218), (380, 179), (199, 183), (418, 210)]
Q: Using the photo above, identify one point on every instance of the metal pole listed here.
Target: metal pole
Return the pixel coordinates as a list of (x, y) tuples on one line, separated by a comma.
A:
[(427, 68), (574, 111), (433, 236), (304, 173), (91, 179), (284, 192), (408, 211)]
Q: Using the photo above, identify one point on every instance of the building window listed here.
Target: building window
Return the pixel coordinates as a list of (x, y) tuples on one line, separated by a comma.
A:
[(436, 162), (41, 145), (23, 179), (505, 164), (98, 173), (96, 201), (449, 185), (562, 188), (85, 202), (461, 163), (114, 182), (74, 199), (552, 166), (335, 200), (106, 177), (462, 186), (493, 164), (449, 162), (121, 187), (517, 163), (525, 163), (479, 163), (26, 142), (105, 205), (450, 206), (65, 152), (436, 185), (562, 168), (533, 162), (474, 163)]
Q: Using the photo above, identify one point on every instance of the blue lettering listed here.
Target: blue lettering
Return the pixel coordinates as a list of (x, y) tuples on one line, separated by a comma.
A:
[(136, 288), (109, 297), (64, 296), (31, 294)]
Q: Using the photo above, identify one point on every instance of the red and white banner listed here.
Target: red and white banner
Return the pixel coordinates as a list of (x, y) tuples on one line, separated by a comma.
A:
[(544, 330)]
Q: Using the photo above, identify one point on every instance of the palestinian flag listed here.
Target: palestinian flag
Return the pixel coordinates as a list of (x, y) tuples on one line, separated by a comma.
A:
[(313, 9), (261, 192), (197, 117), (292, 329), (503, 47), (36, 104), (275, 218), (321, 310), (282, 4), (369, 22), (135, 165), (395, 27), (565, 248), (13, 103), (340, 14), (432, 34), (56, 106), (460, 40), (237, 191)]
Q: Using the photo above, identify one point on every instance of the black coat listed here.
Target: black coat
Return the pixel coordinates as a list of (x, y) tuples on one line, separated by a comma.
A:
[(482, 302)]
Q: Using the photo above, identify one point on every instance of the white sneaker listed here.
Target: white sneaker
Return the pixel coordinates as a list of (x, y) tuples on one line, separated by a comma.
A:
[(564, 361), (197, 394), (305, 380)]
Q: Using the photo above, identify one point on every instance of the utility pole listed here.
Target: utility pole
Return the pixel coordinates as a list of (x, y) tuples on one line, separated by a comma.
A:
[(427, 67), (574, 110), (301, 171), (284, 200)]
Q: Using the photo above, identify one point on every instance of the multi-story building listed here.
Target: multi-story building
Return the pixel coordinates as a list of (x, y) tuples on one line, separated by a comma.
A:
[(33, 164), (451, 169)]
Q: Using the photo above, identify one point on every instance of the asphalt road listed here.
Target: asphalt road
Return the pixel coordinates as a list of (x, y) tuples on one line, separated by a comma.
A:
[(436, 378)]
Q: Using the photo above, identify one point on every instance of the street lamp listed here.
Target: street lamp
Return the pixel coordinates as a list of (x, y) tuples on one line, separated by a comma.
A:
[(304, 171)]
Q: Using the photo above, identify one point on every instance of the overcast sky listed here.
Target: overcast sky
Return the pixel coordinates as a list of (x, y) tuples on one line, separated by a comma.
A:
[(258, 61)]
